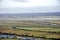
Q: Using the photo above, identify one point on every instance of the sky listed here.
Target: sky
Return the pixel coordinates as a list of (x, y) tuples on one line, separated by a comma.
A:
[(29, 6)]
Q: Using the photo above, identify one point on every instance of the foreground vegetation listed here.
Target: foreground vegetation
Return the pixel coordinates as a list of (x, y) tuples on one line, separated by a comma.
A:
[(41, 29), (31, 28), (7, 39)]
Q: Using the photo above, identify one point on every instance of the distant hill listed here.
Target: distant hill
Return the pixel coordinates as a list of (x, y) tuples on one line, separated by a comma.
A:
[(31, 14)]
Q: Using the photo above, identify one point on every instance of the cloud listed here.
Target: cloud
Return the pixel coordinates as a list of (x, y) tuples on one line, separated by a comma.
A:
[(22, 0), (30, 10), (32, 3), (14, 6)]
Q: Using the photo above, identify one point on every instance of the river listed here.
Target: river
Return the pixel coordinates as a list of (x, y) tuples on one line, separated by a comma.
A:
[(10, 18)]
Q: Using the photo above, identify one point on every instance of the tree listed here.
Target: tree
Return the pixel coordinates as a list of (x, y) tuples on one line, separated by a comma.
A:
[(14, 27)]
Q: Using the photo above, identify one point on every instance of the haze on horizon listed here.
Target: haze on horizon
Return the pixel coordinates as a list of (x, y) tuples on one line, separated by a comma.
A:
[(29, 6)]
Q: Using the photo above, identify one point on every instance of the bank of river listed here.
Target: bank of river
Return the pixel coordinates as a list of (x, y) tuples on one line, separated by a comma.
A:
[(19, 37)]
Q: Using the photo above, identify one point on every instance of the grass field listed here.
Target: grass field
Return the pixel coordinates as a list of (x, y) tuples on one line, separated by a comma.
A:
[(42, 29), (8, 39), (34, 27)]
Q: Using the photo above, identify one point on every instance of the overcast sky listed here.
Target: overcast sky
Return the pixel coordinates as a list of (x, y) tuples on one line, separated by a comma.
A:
[(29, 6)]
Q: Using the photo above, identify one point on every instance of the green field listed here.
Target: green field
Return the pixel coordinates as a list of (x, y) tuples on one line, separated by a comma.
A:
[(42, 29), (34, 26), (7, 39)]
